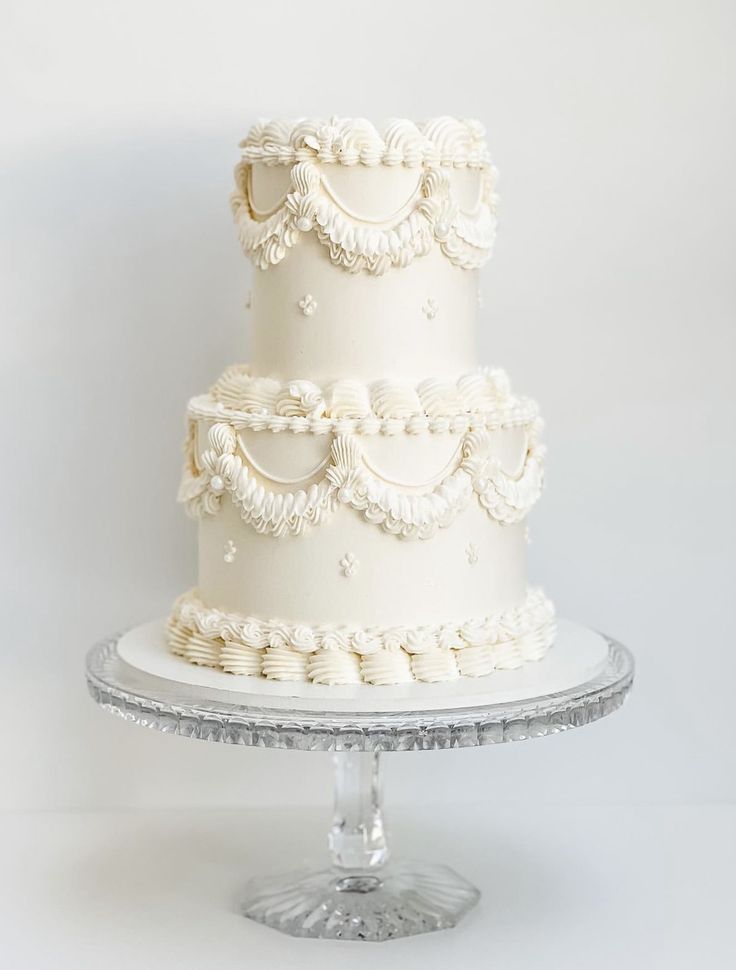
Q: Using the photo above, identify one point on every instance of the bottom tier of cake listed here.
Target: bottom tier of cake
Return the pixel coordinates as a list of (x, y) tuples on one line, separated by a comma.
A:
[(329, 654)]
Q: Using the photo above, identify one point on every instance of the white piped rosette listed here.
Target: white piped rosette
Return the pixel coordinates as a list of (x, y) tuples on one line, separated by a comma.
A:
[(222, 469), (443, 141), (433, 216), (342, 655), (480, 399)]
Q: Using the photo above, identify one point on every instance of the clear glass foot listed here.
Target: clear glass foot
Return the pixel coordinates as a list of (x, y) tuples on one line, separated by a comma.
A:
[(405, 899), (361, 896)]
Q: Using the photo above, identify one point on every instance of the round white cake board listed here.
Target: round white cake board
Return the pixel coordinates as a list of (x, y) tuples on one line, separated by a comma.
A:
[(578, 655)]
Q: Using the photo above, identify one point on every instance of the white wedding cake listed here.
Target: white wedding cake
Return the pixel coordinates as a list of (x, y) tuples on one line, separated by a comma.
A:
[(362, 485)]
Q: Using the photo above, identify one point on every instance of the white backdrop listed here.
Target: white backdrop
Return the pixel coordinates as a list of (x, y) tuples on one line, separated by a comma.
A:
[(610, 298)]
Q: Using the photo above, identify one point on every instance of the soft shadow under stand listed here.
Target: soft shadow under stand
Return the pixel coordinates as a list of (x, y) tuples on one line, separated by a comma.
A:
[(360, 895)]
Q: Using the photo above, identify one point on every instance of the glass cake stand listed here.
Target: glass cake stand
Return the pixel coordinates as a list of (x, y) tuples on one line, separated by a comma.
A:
[(360, 896)]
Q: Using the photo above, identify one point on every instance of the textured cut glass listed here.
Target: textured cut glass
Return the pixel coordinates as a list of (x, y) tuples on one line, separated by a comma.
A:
[(362, 895)]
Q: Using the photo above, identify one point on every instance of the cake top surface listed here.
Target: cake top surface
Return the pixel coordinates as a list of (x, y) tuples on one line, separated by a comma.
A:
[(442, 141)]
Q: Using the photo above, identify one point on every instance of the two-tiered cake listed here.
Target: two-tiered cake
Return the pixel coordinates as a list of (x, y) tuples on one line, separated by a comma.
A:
[(362, 486)]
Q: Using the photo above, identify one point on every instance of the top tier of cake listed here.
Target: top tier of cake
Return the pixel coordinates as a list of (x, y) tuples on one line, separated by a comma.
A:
[(367, 243)]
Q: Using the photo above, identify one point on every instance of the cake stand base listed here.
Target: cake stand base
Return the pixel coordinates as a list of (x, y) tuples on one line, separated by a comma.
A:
[(403, 900), (361, 895)]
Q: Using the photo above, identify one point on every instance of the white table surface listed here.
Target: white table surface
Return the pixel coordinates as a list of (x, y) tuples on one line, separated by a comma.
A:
[(647, 886)]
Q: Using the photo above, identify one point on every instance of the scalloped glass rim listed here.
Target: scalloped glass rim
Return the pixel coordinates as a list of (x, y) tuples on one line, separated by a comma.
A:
[(200, 713)]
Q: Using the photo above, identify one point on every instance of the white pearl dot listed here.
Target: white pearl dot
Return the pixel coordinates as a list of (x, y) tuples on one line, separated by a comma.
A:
[(217, 484)]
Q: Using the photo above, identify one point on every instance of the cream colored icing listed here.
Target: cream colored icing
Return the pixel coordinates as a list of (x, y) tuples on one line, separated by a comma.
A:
[(333, 667), (356, 141), (386, 667), (431, 216), (366, 327), (326, 655), (349, 481), (480, 399), (345, 195), (281, 663), (363, 413), (477, 661), (201, 650), (239, 658), (522, 412), (435, 665)]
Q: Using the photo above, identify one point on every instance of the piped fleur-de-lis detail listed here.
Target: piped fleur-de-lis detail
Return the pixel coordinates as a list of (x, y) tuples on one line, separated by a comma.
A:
[(465, 238), (230, 550), (349, 564), (471, 551), (348, 480), (430, 308), (218, 470), (308, 305), (346, 470), (437, 203)]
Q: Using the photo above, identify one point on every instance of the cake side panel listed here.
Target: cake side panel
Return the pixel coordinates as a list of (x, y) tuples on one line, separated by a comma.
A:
[(346, 557), (362, 487), (365, 289), (362, 529), (312, 319), (349, 572)]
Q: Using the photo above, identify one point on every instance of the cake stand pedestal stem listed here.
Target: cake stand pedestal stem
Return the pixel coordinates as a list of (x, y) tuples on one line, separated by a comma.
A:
[(357, 838), (356, 894), (360, 896)]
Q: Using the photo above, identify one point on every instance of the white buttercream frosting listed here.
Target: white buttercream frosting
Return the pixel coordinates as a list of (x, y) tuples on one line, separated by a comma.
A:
[(435, 665), (454, 142), (483, 393), (202, 650), (302, 639), (252, 634), (369, 236), (339, 655), (281, 663), (366, 642), (239, 658), (301, 398), (348, 399), (421, 640), (349, 480), (334, 667), (259, 395), (178, 637), (476, 661), (432, 214), (386, 667)]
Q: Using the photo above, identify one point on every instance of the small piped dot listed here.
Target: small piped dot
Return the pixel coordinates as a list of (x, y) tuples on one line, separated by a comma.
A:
[(471, 552), (308, 305), (349, 564), (430, 308)]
